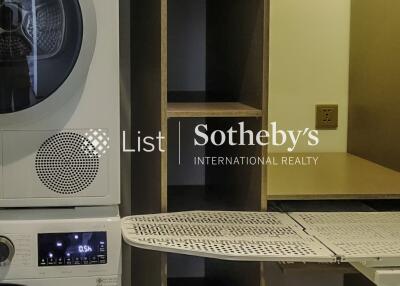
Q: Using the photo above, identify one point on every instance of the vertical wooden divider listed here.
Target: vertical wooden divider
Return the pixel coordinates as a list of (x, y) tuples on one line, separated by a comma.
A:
[(149, 113), (164, 126), (265, 123), (265, 118)]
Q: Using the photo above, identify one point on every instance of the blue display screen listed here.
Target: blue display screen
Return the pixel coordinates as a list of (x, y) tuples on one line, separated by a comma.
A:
[(69, 249)]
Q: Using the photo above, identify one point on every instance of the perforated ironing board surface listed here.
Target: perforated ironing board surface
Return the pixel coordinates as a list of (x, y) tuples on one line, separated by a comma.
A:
[(356, 237), (226, 235)]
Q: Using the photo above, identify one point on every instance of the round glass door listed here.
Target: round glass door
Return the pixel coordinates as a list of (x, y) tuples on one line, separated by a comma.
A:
[(40, 41)]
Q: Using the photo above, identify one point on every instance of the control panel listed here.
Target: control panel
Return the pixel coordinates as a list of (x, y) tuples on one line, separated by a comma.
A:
[(37, 244), (72, 249)]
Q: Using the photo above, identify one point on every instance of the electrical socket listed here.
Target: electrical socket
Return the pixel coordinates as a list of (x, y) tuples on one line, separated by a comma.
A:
[(327, 116)]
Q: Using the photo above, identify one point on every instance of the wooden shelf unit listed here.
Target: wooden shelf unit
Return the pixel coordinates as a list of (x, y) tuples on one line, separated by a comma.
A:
[(231, 63)]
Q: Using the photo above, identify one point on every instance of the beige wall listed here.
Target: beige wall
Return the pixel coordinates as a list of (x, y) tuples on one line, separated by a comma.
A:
[(309, 59)]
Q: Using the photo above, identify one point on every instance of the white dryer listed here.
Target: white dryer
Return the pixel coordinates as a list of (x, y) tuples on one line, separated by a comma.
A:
[(80, 247), (59, 103)]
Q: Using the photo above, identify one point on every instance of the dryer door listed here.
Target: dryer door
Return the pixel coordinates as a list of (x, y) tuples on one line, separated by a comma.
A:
[(40, 41)]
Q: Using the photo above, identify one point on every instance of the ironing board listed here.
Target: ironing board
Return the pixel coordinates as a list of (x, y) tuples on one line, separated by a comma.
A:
[(369, 241)]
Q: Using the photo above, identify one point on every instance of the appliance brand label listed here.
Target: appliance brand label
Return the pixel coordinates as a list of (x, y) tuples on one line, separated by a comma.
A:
[(107, 281)]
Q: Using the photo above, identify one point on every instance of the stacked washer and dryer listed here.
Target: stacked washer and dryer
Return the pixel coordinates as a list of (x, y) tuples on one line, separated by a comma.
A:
[(59, 143)]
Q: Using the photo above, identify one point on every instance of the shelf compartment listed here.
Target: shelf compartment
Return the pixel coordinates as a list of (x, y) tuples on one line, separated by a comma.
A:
[(233, 236), (211, 109), (236, 187), (213, 58)]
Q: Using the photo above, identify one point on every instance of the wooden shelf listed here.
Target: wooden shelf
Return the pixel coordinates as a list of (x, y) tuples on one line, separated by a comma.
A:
[(336, 176), (211, 109)]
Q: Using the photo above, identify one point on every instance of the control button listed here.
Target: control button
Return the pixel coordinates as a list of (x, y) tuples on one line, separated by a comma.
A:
[(102, 259), (51, 261), (7, 251), (94, 260), (42, 262), (60, 261), (85, 260), (77, 261), (68, 261)]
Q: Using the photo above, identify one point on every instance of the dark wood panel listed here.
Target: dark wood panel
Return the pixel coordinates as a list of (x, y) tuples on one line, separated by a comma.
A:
[(356, 279), (186, 96), (147, 87), (188, 198), (126, 121), (374, 105), (233, 273), (148, 268), (189, 282), (235, 51), (146, 103)]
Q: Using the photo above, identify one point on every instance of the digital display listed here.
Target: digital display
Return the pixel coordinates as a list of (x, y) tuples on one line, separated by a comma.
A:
[(71, 249)]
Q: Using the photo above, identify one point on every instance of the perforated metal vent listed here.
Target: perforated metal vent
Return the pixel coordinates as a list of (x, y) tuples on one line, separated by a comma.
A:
[(67, 163)]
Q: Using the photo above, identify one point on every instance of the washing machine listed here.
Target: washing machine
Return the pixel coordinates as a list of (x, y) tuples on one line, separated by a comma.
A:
[(59, 103), (76, 246)]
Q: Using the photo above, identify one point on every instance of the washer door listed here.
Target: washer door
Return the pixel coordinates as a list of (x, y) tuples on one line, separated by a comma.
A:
[(40, 42)]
